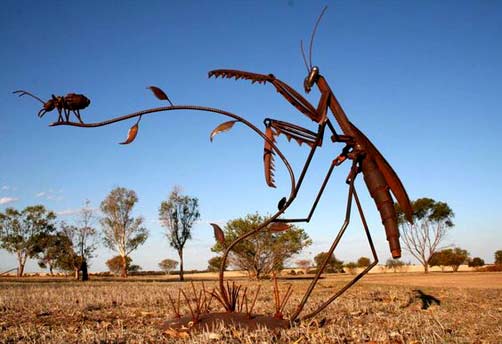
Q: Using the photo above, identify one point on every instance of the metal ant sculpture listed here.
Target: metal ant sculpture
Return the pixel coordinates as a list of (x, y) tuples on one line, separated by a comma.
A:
[(378, 175), (71, 102)]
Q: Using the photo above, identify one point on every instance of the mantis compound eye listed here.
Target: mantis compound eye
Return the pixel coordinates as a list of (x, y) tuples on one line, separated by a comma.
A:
[(311, 79)]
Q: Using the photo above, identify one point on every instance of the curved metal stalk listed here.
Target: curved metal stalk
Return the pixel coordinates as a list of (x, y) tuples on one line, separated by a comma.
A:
[(294, 186)]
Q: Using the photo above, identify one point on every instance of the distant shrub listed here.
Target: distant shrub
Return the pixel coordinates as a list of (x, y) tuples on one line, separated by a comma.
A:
[(394, 264), (452, 257), (363, 262), (333, 265), (498, 257), (476, 262)]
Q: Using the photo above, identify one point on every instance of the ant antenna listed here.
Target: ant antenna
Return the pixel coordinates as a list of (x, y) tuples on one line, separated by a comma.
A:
[(304, 57), (313, 34), (21, 93)]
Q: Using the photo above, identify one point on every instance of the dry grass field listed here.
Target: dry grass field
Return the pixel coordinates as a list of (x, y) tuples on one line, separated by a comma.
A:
[(382, 308)]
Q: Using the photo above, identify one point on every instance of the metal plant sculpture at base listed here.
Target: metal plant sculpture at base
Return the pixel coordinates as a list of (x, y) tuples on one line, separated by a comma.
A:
[(378, 175)]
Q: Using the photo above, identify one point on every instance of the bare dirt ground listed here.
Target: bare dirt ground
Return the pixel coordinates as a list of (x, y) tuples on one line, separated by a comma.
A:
[(382, 308), (478, 280)]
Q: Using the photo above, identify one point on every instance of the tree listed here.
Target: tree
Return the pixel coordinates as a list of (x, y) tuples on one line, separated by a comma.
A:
[(363, 262), (304, 264), (167, 265), (52, 249), (214, 263), (178, 214), (264, 252), (351, 267), (394, 264), (83, 241), (439, 259), (498, 257), (122, 233), (458, 257), (21, 231), (431, 222), (449, 257), (70, 258), (476, 262), (334, 265), (115, 264)]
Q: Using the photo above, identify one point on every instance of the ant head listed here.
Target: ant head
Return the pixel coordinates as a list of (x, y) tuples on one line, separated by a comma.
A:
[(311, 79), (50, 105)]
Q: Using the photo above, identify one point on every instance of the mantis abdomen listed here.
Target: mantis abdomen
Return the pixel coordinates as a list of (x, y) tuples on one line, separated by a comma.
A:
[(379, 191)]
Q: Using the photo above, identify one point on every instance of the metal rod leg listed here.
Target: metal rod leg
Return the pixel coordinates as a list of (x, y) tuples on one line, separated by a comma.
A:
[(330, 252), (361, 274), (352, 194), (316, 201)]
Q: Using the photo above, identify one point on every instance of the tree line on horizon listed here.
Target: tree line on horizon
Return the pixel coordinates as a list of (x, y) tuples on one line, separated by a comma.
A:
[(33, 233)]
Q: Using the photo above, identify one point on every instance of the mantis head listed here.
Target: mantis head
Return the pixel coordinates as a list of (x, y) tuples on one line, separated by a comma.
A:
[(311, 79)]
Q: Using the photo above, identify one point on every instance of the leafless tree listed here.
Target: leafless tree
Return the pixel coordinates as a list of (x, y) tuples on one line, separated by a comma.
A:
[(83, 237), (431, 222), (178, 214)]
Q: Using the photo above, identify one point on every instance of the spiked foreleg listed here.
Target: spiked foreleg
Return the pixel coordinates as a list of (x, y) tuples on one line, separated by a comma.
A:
[(238, 74), (292, 131), (284, 89), (268, 157)]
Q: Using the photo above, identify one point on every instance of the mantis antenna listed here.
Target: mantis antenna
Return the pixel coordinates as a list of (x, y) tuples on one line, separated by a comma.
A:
[(313, 34)]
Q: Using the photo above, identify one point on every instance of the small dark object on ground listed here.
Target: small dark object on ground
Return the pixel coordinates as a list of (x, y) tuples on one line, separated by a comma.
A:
[(427, 300)]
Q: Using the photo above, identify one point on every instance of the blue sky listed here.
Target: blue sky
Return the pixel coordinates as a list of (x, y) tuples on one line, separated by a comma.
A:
[(421, 78)]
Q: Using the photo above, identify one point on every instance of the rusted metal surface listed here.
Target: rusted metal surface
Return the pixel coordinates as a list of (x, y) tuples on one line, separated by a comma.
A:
[(71, 102), (380, 178)]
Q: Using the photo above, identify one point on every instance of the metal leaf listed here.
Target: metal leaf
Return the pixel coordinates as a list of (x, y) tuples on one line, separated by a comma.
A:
[(226, 126), (131, 135), (160, 94), (279, 227), (218, 234), (268, 158)]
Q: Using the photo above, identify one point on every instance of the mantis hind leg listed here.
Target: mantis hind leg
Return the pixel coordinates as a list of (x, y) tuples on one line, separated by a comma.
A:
[(352, 194)]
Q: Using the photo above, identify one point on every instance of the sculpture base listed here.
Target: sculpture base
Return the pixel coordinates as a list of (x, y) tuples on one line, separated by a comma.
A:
[(214, 320)]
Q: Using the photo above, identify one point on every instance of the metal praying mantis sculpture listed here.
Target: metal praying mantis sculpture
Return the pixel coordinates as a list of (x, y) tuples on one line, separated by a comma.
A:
[(378, 175)]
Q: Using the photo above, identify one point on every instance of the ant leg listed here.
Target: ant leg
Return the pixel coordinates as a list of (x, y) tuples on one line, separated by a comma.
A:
[(67, 114), (60, 116), (77, 114)]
